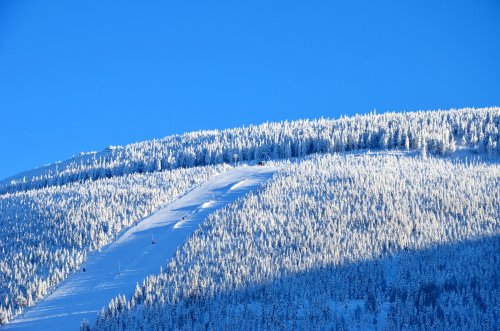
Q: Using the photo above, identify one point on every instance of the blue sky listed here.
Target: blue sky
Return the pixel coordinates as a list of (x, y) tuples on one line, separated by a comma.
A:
[(81, 75)]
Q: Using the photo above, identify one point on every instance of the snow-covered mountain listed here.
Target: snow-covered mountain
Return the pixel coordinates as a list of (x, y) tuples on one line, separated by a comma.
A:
[(358, 241), (429, 131), (392, 223), (140, 251), (45, 234)]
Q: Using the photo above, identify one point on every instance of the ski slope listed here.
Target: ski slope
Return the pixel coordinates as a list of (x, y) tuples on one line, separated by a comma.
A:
[(140, 251)]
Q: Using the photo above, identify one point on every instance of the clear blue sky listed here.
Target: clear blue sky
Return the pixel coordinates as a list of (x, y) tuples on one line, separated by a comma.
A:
[(81, 75)]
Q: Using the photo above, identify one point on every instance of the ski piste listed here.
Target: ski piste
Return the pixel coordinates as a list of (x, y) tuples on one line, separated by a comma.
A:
[(139, 252)]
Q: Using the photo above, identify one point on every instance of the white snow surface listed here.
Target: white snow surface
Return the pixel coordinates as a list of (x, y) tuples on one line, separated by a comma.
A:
[(121, 265)]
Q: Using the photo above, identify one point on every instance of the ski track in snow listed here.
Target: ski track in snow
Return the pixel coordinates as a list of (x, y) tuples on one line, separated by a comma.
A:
[(121, 265)]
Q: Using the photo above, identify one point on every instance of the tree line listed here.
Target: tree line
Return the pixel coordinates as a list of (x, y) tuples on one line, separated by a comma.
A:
[(434, 132)]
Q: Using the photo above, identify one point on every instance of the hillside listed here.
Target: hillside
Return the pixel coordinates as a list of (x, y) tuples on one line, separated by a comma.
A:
[(369, 222), (337, 242), (140, 251), (46, 234), (440, 132)]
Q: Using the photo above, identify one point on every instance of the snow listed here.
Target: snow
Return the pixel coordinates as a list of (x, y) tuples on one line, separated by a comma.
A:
[(237, 185), (138, 253), (207, 204), (392, 269), (429, 132), (382, 315)]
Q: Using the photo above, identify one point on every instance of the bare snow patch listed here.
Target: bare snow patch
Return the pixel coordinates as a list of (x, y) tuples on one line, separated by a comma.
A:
[(238, 185), (207, 204)]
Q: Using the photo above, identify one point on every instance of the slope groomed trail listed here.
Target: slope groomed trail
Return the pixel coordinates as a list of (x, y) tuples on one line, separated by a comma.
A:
[(139, 252)]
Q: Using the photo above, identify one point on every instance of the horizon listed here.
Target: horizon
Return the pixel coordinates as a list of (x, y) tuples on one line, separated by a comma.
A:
[(341, 116), (214, 131)]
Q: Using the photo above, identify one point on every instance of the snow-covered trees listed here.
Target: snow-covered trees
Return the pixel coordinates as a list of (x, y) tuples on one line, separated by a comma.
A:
[(45, 234), (333, 240), (437, 132), (358, 241)]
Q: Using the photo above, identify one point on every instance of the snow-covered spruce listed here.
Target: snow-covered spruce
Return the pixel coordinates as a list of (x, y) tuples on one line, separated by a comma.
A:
[(337, 242), (46, 233), (430, 132)]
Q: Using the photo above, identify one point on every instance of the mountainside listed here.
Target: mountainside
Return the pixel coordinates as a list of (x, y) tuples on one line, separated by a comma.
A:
[(370, 222), (46, 234), (438, 132), (368, 242), (140, 251)]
